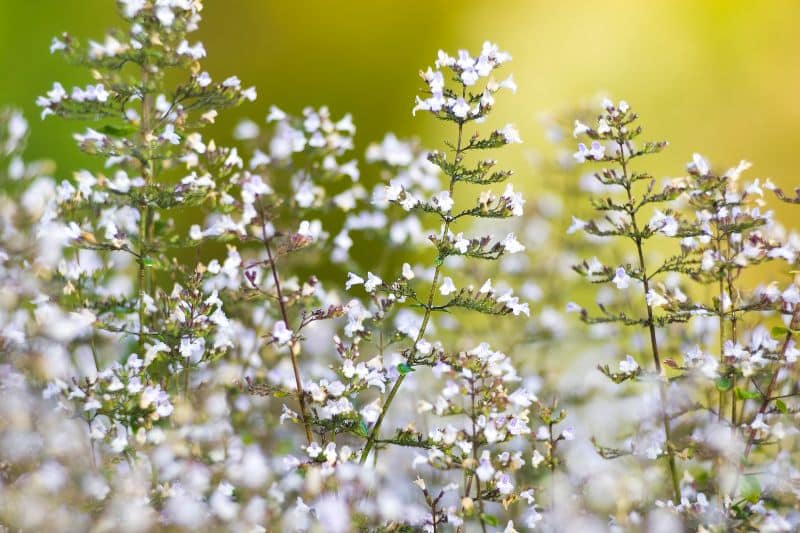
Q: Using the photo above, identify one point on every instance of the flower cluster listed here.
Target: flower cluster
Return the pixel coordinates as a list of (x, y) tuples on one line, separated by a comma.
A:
[(719, 230)]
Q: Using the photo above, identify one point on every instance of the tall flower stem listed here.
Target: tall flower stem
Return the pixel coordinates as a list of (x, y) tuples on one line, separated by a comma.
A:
[(145, 213), (651, 326), (294, 346), (425, 318)]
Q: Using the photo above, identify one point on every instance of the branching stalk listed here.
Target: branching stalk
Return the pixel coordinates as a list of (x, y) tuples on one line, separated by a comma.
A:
[(651, 326), (425, 319)]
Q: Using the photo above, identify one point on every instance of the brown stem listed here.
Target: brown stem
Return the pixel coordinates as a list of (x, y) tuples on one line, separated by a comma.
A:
[(294, 346), (766, 399)]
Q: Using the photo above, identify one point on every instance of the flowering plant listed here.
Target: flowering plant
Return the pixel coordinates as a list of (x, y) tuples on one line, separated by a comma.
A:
[(279, 334)]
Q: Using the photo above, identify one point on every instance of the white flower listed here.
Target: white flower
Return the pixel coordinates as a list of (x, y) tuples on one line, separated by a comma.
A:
[(511, 245), (352, 279), (460, 243), (165, 15), (56, 45), (275, 115), (408, 273), (313, 450), (699, 164), (505, 485), (442, 201), (654, 299), (514, 200), (204, 79), (596, 152), (485, 470), (577, 225), (509, 84), (424, 347), (510, 134), (758, 423), (232, 82), (192, 349), (371, 412), (280, 333), (629, 365), (621, 279), (460, 108), (447, 287), (663, 223), (580, 128), (537, 459), (169, 134), (372, 283), (486, 288), (197, 51)]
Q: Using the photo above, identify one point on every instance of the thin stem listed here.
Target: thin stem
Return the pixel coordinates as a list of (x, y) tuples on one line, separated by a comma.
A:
[(767, 396), (294, 346), (552, 465), (721, 342), (91, 444), (651, 326), (425, 318), (145, 213), (475, 457), (733, 320)]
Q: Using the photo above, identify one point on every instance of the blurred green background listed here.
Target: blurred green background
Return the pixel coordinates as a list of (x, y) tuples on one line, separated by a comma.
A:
[(719, 77)]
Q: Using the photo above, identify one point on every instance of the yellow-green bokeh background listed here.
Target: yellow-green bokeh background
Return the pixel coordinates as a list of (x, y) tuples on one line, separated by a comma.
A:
[(719, 77)]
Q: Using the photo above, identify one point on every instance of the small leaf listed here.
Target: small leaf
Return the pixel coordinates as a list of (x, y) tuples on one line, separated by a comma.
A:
[(780, 405), (149, 262), (362, 430), (117, 131), (404, 368), (744, 394), (724, 384), (779, 331), (751, 489), (490, 519)]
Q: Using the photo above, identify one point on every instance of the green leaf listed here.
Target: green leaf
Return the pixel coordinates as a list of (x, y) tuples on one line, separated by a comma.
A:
[(724, 384), (779, 331), (780, 405), (751, 489), (117, 131), (404, 368), (149, 262), (490, 519), (362, 429), (744, 394)]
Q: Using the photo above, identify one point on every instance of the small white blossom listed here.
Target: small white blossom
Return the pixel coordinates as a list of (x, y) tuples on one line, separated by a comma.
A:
[(280, 333)]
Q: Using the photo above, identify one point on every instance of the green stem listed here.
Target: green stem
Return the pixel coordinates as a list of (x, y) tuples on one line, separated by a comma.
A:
[(651, 326), (425, 319), (145, 213)]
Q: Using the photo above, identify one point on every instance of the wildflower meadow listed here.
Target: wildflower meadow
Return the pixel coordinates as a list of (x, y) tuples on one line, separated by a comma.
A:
[(277, 331)]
